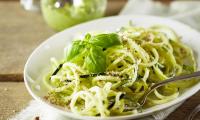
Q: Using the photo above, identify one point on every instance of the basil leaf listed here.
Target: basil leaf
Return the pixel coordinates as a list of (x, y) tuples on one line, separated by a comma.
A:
[(75, 49), (95, 62), (106, 40)]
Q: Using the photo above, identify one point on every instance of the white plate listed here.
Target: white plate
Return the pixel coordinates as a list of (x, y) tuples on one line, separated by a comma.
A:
[(38, 63)]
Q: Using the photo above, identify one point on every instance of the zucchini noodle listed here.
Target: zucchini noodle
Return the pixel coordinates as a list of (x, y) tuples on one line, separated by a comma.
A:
[(107, 74)]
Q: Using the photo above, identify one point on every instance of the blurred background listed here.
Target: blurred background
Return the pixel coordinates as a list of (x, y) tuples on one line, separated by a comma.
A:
[(24, 24)]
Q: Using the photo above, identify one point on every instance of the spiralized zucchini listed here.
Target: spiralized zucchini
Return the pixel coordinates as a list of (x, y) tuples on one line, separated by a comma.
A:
[(107, 74)]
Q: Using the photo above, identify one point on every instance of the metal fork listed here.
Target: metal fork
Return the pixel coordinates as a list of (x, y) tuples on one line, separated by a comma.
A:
[(157, 85)]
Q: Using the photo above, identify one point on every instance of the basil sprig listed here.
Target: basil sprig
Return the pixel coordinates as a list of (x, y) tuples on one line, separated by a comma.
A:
[(90, 49)]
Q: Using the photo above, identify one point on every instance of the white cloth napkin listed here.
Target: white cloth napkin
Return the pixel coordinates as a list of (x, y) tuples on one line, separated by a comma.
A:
[(187, 12)]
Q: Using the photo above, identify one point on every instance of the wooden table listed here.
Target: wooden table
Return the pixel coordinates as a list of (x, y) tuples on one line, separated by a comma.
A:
[(20, 33)]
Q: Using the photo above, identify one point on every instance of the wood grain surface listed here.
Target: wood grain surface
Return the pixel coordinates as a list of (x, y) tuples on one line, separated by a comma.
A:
[(13, 98), (20, 33)]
